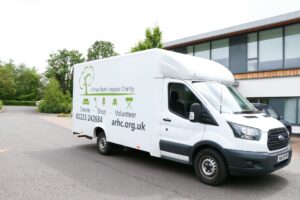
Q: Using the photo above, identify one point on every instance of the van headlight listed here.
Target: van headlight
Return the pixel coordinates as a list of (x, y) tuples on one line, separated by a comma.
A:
[(245, 132)]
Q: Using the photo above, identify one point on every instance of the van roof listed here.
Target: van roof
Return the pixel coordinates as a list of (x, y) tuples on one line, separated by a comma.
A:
[(179, 66)]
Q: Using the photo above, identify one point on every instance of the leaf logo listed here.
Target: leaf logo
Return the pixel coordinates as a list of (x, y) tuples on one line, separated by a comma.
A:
[(86, 78)]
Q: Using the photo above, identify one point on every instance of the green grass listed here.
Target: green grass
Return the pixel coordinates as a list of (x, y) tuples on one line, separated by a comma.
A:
[(1, 104)]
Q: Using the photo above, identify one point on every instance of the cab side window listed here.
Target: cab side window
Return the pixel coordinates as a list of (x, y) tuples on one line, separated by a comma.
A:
[(180, 99)]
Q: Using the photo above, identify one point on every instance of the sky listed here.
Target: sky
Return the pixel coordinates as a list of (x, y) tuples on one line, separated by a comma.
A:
[(33, 29)]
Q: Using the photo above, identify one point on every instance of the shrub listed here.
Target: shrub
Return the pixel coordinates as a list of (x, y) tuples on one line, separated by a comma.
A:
[(55, 101), (18, 103), (1, 104)]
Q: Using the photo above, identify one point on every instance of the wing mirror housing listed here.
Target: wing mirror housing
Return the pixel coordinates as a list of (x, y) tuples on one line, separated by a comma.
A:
[(195, 112), (200, 114)]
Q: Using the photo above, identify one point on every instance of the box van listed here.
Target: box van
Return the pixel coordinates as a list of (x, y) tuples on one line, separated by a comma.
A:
[(180, 108)]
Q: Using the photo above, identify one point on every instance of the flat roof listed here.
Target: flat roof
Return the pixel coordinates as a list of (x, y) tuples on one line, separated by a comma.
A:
[(271, 22)]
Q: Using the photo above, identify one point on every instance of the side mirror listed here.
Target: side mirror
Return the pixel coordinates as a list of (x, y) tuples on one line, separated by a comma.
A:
[(195, 112), (200, 114)]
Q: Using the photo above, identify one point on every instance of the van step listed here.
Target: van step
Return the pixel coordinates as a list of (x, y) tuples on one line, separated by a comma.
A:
[(86, 136)]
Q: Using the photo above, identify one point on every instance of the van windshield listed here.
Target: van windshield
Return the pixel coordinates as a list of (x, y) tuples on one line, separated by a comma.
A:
[(224, 98)]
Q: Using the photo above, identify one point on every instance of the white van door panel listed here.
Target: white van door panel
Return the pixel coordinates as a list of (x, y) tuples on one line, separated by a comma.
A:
[(176, 130)]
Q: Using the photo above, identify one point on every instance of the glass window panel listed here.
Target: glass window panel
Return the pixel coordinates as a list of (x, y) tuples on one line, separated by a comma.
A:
[(298, 122), (290, 108), (202, 50), (190, 50), (252, 65), (264, 100), (270, 49), (180, 99), (220, 51), (252, 45), (292, 46), (253, 100)]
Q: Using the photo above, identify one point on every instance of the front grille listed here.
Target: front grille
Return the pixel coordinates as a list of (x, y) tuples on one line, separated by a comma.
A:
[(274, 136)]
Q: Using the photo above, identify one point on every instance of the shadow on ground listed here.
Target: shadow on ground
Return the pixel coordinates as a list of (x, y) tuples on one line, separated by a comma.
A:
[(128, 171)]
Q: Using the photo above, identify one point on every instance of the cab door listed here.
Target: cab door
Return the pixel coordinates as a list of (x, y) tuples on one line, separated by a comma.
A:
[(178, 134)]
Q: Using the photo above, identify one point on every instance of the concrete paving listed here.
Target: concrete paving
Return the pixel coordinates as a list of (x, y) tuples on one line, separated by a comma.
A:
[(41, 159)]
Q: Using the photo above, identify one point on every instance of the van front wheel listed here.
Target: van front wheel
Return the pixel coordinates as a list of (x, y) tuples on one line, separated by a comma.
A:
[(103, 146), (210, 167)]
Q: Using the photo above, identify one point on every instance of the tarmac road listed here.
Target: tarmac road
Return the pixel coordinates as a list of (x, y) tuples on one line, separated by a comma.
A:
[(40, 159)]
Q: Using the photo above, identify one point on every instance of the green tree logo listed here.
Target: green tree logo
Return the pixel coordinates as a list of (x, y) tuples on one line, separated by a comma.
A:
[(86, 78)]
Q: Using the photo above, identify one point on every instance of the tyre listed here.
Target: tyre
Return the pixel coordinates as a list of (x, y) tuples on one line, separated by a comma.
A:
[(210, 167), (103, 146)]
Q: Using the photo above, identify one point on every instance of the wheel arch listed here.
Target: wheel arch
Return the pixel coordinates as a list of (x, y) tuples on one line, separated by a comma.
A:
[(203, 145), (98, 129)]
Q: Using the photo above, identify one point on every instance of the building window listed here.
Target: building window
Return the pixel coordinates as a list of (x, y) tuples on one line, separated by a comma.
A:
[(180, 50), (259, 100), (298, 122), (202, 50), (220, 51), (190, 50), (292, 46), (290, 110), (270, 49), (252, 52)]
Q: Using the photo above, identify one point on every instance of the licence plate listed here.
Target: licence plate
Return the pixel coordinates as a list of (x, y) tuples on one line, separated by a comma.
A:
[(283, 157)]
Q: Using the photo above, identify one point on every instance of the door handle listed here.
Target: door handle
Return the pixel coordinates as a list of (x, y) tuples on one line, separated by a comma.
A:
[(166, 120)]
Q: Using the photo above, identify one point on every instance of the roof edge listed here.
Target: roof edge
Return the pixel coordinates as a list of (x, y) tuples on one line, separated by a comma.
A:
[(271, 22)]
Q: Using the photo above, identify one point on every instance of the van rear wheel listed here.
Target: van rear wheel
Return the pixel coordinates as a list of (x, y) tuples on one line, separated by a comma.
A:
[(210, 167), (103, 146)]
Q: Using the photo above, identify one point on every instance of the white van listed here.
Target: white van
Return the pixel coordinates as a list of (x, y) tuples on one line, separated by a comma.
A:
[(176, 107)]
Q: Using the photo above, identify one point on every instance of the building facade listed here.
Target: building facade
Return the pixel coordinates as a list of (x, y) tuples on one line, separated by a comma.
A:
[(263, 55)]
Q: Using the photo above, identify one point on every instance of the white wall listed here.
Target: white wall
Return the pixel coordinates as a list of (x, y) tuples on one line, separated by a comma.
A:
[(270, 87), (296, 129)]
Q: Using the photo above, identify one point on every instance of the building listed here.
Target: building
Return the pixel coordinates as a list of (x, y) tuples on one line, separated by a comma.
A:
[(263, 55)]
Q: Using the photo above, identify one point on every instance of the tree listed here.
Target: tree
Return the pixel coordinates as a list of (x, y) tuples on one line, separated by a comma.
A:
[(28, 83), (19, 82), (101, 49), (153, 40), (60, 66), (86, 78), (54, 100), (7, 81)]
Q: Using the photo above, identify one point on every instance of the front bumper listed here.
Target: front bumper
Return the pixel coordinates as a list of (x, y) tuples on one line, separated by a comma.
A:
[(253, 163)]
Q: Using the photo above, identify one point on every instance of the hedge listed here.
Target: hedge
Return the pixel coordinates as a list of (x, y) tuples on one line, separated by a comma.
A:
[(1, 104), (19, 103), (59, 107)]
